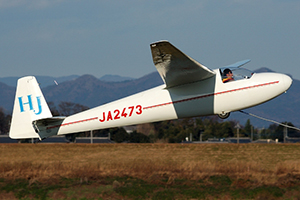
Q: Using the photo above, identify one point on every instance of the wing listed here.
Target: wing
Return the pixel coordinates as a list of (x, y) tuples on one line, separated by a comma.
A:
[(176, 68)]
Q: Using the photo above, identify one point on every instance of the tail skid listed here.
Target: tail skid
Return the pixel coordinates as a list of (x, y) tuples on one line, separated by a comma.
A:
[(29, 107)]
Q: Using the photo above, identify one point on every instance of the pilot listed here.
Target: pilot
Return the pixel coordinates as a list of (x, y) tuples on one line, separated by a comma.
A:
[(228, 76)]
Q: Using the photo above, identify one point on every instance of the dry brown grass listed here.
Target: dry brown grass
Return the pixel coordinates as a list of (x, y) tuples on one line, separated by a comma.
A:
[(266, 164)]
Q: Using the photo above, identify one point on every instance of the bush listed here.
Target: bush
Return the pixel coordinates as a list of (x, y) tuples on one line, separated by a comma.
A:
[(136, 137)]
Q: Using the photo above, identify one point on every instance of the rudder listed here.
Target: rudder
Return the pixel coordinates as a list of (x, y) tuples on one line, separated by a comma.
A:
[(29, 105)]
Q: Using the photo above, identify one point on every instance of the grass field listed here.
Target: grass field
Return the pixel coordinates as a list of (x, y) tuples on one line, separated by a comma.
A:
[(150, 171)]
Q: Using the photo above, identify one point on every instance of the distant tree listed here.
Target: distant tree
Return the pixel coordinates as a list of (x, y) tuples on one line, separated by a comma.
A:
[(266, 134), (278, 131), (119, 135), (247, 128), (273, 133), (181, 136), (53, 108), (101, 133), (4, 122), (226, 130), (163, 129), (70, 108), (210, 128), (136, 137), (291, 132), (198, 128), (146, 129), (66, 109)]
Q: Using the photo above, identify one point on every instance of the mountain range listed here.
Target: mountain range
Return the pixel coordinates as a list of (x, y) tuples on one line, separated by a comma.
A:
[(45, 81), (91, 91)]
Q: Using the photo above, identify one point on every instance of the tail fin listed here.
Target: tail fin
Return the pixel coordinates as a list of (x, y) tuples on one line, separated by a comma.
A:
[(30, 105)]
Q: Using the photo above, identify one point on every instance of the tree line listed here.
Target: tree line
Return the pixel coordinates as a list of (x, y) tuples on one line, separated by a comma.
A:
[(203, 128), (171, 131)]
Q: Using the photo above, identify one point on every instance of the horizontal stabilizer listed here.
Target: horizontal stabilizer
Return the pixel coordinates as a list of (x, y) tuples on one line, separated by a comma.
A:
[(47, 127)]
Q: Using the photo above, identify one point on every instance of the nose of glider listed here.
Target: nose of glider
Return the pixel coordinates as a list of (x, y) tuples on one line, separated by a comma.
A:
[(287, 82)]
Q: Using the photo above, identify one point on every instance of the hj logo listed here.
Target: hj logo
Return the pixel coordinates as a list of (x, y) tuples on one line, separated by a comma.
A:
[(38, 99)]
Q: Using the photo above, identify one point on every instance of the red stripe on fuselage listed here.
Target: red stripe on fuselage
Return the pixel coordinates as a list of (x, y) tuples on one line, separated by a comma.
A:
[(75, 122), (212, 94)]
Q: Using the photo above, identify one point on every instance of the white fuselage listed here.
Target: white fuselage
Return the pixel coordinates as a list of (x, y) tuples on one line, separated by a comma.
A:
[(206, 97)]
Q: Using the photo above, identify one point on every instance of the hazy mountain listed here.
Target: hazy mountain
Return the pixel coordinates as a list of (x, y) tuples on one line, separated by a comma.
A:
[(90, 91), (263, 69), (114, 78), (7, 94), (44, 81)]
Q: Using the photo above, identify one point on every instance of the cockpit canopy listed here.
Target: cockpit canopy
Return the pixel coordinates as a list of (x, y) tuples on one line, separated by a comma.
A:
[(238, 73)]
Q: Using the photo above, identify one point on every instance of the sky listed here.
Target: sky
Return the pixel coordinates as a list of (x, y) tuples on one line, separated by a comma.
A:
[(99, 37)]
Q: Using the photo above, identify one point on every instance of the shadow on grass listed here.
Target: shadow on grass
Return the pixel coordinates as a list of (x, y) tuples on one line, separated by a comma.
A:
[(132, 188)]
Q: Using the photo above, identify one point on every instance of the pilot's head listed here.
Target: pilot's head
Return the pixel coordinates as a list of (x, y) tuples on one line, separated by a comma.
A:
[(227, 72)]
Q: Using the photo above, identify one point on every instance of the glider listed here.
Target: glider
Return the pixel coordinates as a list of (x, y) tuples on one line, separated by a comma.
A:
[(190, 89)]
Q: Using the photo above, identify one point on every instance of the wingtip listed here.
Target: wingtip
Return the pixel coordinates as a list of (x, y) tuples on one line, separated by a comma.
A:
[(158, 42)]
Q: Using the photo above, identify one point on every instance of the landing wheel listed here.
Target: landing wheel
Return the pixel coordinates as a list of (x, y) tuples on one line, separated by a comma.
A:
[(224, 115)]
